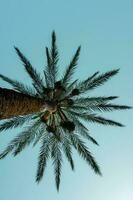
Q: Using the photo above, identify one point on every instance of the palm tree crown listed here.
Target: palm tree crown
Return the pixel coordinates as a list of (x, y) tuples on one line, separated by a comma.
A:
[(55, 111)]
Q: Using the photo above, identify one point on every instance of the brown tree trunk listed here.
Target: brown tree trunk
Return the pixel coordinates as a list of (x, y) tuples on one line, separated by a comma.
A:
[(13, 103)]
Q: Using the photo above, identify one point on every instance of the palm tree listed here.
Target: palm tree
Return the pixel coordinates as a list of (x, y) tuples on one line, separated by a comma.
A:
[(54, 111)]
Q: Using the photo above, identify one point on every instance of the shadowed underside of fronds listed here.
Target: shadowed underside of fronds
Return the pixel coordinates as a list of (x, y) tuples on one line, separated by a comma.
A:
[(13, 103)]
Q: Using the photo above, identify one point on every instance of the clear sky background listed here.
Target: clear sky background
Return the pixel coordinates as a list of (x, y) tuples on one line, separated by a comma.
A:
[(105, 31)]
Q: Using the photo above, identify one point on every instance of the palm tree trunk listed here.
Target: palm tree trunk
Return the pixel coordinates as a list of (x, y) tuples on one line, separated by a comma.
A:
[(13, 103)]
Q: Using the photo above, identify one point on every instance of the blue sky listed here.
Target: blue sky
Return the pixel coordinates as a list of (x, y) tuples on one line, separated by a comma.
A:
[(104, 30)]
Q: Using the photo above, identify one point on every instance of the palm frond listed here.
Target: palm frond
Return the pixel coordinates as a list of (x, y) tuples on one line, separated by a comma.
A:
[(72, 85), (97, 81), (66, 145), (68, 90), (81, 129), (84, 152), (27, 137), (107, 107), (98, 100), (22, 140), (91, 77), (83, 84), (99, 107), (96, 119), (80, 109), (57, 161), (34, 75), (71, 68), (6, 151), (54, 57), (52, 60), (42, 133), (84, 132), (48, 70), (43, 157), (18, 144), (15, 122), (47, 79), (18, 86)]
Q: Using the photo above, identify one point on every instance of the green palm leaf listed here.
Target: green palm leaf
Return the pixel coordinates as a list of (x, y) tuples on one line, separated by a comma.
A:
[(42, 160), (95, 82), (41, 133), (48, 71), (66, 145), (52, 60), (48, 79), (99, 107), (54, 57), (18, 86), (71, 68), (96, 119), (57, 161), (84, 132), (34, 75), (15, 122), (81, 129), (107, 107), (98, 100), (22, 140), (83, 84), (83, 151)]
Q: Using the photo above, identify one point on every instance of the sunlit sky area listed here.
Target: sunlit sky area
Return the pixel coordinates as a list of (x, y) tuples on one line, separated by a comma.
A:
[(104, 29)]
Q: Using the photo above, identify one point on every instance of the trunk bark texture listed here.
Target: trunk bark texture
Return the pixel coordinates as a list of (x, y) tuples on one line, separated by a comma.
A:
[(13, 103)]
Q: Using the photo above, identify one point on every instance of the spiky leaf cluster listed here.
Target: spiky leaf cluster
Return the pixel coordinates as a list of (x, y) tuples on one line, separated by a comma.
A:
[(59, 125)]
